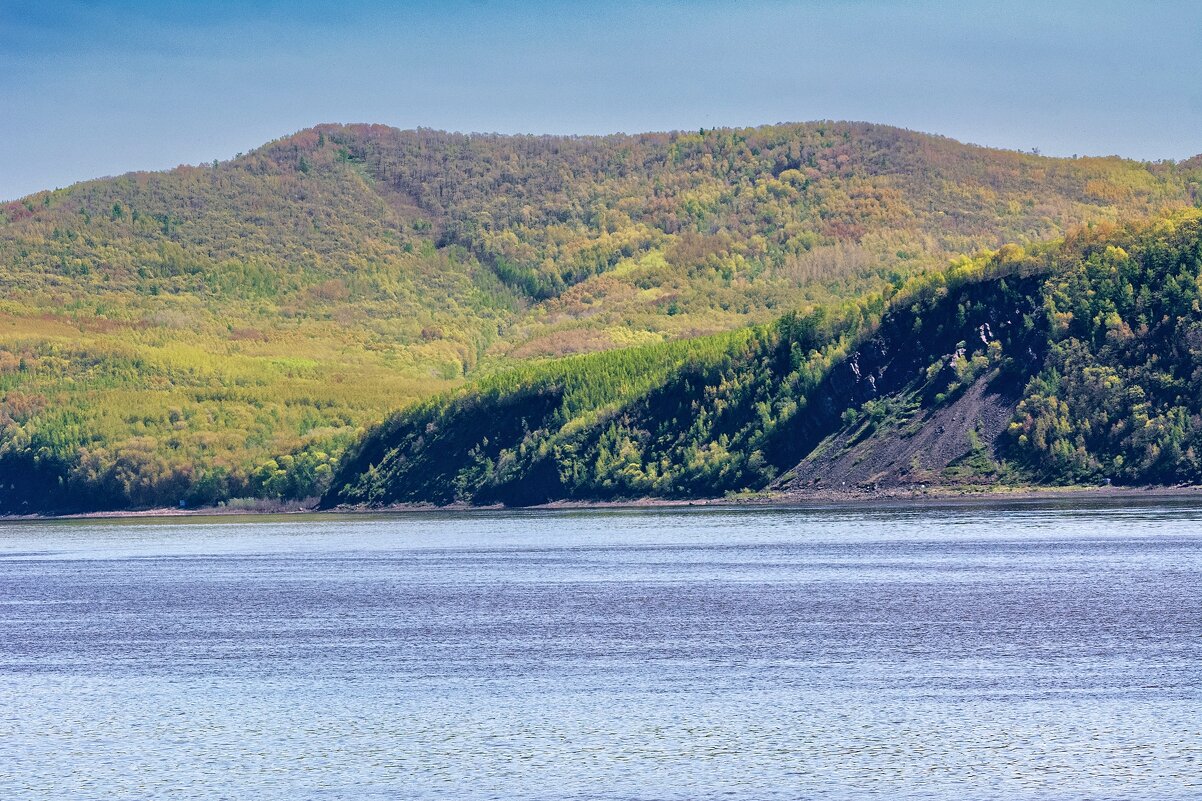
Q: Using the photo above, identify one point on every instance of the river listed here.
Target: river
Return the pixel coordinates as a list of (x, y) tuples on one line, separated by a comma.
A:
[(1024, 651)]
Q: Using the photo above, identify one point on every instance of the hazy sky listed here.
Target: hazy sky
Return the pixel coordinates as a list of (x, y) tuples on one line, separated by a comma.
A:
[(97, 88)]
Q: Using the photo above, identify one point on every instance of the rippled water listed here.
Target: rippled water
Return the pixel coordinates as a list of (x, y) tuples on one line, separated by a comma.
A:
[(1037, 651)]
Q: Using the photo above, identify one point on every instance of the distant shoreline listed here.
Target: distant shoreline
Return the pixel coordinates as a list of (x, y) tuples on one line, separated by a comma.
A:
[(887, 496)]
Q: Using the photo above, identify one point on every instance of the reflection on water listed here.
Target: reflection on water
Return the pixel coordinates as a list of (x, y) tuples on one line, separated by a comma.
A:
[(1035, 651)]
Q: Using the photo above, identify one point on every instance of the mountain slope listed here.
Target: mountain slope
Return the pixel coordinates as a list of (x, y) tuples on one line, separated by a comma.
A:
[(680, 234), (225, 330), (1055, 364)]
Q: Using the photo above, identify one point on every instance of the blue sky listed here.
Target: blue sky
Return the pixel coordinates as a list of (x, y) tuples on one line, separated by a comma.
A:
[(98, 88)]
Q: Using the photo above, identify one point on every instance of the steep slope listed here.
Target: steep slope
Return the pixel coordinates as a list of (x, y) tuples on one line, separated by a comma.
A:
[(1055, 364), (1111, 389), (927, 400), (226, 329), (733, 413)]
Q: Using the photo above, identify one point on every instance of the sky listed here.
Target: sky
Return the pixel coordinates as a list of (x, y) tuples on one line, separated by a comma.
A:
[(89, 89)]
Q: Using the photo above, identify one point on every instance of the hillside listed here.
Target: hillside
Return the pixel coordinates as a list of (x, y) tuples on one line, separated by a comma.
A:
[(226, 330), (1079, 361)]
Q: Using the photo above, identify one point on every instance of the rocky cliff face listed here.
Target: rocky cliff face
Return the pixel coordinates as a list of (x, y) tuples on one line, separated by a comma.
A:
[(927, 399), (953, 443)]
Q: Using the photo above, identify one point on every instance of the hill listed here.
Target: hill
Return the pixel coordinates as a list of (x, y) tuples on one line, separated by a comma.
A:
[(1079, 361), (226, 330)]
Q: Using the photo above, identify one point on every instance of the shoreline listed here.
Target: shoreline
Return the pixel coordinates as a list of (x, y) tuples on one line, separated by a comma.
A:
[(888, 496)]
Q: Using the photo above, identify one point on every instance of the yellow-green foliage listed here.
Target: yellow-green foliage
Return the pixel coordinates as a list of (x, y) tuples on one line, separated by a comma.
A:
[(214, 327)]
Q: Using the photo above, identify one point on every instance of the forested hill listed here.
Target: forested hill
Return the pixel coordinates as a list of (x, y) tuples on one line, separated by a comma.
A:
[(603, 240), (549, 212), (226, 329), (1067, 363)]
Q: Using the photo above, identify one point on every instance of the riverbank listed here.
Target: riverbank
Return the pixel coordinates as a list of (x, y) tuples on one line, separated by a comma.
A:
[(822, 497)]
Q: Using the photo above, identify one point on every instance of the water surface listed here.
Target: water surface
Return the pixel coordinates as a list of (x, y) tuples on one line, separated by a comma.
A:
[(1032, 651)]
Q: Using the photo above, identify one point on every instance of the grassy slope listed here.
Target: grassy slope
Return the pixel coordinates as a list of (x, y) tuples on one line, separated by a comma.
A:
[(226, 329)]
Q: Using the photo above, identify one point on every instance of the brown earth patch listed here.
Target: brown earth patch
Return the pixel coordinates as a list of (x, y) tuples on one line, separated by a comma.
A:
[(923, 450)]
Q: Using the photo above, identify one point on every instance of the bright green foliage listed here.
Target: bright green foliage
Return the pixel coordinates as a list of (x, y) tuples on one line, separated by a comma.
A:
[(465, 445), (1121, 394), (686, 419)]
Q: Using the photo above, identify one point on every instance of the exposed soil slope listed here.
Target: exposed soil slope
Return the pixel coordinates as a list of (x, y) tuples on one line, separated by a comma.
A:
[(951, 444)]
